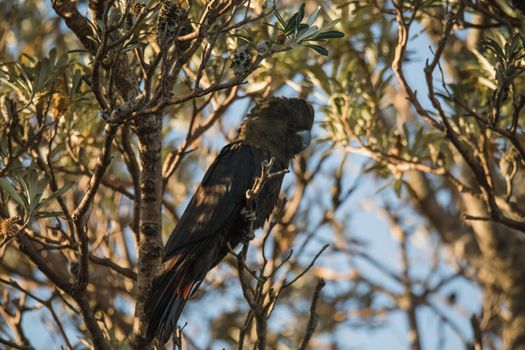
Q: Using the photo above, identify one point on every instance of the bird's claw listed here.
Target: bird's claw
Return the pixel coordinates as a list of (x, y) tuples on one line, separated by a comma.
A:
[(247, 236), (248, 214)]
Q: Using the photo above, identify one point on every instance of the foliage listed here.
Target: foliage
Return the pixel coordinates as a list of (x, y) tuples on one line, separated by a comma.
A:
[(111, 110)]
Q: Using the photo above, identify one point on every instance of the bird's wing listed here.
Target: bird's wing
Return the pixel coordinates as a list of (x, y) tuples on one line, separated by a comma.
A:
[(219, 198)]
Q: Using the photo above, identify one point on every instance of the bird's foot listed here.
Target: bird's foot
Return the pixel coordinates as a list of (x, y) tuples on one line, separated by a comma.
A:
[(248, 214), (247, 236)]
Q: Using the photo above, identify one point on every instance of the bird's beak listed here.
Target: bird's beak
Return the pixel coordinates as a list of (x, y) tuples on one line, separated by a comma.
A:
[(305, 137)]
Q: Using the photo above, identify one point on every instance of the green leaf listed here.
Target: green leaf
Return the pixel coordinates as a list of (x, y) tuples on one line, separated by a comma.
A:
[(485, 64), (301, 15), (313, 16), (310, 33), (42, 75), (6, 185), (491, 45), (15, 76), (375, 167), (77, 51), (410, 190), (47, 214), (302, 28), (21, 182), (61, 64), (330, 25), (417, 139), (52, 54), (397, 187), (131, 44), (245, 40), (320, 50), (57, 194), (42, 184), (279, 18), (40, 188), (32, 190), (332, 34), (292, 24), (77, 80)]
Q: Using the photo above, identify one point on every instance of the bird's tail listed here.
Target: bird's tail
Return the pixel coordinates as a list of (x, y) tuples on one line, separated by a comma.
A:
[(164, 304)]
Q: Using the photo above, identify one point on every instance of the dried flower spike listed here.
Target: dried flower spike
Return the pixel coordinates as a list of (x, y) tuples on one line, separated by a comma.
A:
[(8, 227), (242, 60), (167, 22)]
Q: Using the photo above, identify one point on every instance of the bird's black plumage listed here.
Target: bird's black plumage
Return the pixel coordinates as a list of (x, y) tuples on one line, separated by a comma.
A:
[(212, 220)]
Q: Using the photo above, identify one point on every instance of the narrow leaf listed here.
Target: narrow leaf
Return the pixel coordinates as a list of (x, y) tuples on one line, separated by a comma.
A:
[(77, 80), (279, 18), (330, 25), (320, 50), (487, 66), (313, 16), (301, 15), (47, 214), (333, 34), (290, 26), (397, 187), (12, 192), (58, 193), (311, 32)]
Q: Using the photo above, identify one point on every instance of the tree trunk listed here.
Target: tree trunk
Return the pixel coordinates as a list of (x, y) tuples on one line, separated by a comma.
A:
[(503, 273), (149, 133)]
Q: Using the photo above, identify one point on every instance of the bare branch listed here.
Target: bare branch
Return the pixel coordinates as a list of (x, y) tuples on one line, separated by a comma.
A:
[(313, 319)]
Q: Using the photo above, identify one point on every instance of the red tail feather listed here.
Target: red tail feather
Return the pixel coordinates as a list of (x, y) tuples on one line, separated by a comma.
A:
[(187, 291)]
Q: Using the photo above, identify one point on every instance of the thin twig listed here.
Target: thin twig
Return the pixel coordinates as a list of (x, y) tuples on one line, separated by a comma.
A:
[(313, 319), (286, 285)]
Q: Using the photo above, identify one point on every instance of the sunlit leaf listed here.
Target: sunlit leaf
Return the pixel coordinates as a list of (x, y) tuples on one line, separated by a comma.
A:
[(330, 25), (313, 16), (309, 33)]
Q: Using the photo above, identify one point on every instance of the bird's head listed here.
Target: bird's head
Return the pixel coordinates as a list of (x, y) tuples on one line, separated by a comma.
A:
[(280, 125)]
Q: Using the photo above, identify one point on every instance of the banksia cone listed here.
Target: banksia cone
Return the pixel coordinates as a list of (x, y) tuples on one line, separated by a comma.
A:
[(172, 22), (8, 227), (167, 23), (241, 62)]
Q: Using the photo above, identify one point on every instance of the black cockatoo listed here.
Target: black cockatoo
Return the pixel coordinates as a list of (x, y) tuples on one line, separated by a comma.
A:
[(216, 216)]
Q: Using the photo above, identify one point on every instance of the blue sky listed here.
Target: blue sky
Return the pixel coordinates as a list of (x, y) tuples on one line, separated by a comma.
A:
[(368, 226)]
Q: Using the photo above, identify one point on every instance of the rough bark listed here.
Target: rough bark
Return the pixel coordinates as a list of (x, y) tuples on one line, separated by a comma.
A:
[(76, 22), (148, 130)]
